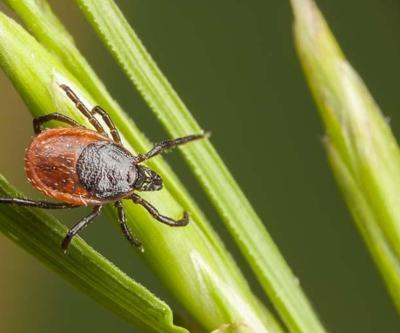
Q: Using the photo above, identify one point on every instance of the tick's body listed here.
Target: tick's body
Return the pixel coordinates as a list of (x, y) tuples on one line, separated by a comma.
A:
[(83, 167), (79, 166)]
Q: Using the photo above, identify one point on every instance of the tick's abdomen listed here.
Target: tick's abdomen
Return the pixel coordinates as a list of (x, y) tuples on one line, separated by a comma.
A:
[(51, 164), (106, 170)]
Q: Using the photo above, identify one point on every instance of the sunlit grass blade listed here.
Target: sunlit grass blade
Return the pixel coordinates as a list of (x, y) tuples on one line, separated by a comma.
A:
[(362, 149), (234, 328), (243, 223), (41, 234), (189, 260)]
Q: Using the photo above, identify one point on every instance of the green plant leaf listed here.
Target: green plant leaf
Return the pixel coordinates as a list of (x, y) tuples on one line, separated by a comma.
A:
[(362, 149), (234, 328), (41, 234), (191, 261), (244, 224)]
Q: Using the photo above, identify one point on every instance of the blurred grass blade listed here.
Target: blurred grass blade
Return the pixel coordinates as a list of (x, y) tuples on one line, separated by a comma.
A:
[(384, 256), (234, 328), (362, 149), (191, 261), (41, 235), (244, 224)]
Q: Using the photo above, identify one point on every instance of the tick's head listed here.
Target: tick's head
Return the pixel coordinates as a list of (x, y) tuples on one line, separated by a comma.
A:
[(147, 180)]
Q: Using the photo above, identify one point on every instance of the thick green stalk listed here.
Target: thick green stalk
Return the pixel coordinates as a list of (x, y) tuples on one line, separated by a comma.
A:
[(362, 149), (189, 260), (41, 234), (244, 224)]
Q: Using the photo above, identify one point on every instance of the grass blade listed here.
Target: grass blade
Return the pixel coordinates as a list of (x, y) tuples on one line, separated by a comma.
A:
[(244, 224), (362, 149)]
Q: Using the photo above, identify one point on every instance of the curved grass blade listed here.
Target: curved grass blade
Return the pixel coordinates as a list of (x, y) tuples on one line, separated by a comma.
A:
[(188, 260), (41, 234), (362, 149), (244, 224)]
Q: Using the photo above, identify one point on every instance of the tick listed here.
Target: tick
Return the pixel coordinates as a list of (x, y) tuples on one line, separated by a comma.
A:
[(83, 167)]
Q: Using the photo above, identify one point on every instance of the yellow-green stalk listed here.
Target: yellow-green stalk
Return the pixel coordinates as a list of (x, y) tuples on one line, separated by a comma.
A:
[(361, 147)]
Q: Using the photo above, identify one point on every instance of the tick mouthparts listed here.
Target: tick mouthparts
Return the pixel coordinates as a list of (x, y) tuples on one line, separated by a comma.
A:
[(148, 180)]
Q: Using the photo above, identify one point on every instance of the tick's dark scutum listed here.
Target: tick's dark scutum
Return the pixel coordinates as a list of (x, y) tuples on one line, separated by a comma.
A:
[(106, 170)]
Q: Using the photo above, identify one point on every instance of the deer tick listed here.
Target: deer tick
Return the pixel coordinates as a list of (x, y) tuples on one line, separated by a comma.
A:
[(83, 167)]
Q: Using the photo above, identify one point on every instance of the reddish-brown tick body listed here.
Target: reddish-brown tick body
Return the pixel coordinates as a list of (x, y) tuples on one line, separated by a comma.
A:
[(55, 165), (50, 163)]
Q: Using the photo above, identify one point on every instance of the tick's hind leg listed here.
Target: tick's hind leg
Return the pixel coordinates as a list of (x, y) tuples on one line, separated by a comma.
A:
[(125, 228), (83, 109), (111, 126), (36, 204), (166, 145), (155, 213), (90, 115), (39, 121), (79, 227)]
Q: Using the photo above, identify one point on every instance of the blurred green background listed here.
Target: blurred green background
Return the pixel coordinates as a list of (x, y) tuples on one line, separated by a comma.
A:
[(234, 65)]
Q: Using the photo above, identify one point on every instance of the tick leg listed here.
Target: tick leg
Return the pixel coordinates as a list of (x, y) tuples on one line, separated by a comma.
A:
[(166, 145), (125, 228), (83, 109), (37, 204), (104, 115), (154, 212), (79, 227), (39, 121)]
